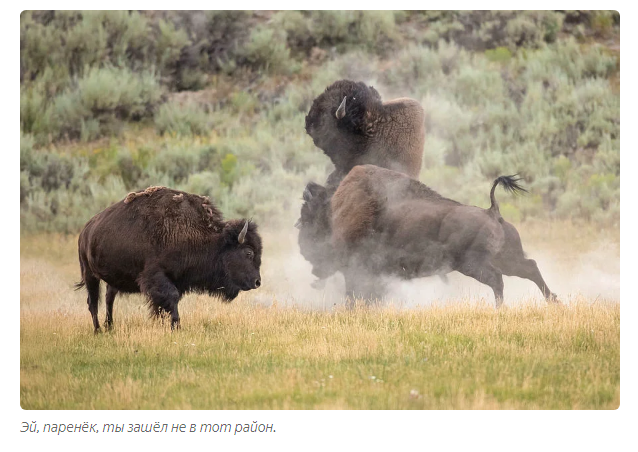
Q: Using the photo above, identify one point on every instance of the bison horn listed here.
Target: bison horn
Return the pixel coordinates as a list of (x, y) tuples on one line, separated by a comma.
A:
[(242, 234), (307, 194), (341, 111)]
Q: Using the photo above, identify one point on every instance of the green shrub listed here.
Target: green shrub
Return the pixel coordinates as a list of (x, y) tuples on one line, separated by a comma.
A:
[(182, 119), (85, 45), (499, 54), (206, 183), (229, 169), (417, 67), (103, 98), (503, 92), (58, 173), (176, 163), (35, 113), (267, 49), (26, 151)]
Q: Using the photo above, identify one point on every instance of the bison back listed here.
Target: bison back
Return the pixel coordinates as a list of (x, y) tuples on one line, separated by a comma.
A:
[(173, 217)]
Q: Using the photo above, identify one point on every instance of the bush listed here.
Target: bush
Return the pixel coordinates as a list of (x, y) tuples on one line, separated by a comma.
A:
[(182, 119), (176, 163), (544, 109), (58, 172), (206, 183), (267, 49), (102, 99)]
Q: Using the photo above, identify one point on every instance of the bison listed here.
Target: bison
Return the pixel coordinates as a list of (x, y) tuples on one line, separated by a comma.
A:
[(351, 124), (165, 243), (384, 223)]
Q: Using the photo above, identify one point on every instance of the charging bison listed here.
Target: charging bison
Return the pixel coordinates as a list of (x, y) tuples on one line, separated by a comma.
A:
[(165, 243), (351, 124), (384, 223)]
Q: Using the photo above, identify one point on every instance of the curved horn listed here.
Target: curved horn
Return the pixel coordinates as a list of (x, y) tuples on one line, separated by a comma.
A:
[(242, 234), (341, 111), (307, 194)]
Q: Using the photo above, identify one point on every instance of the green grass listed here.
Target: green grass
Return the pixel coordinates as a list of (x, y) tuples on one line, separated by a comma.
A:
[(249, 357)]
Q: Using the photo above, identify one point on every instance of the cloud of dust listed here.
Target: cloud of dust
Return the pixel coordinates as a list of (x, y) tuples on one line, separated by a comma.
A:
[(287, 277), (593, 274)]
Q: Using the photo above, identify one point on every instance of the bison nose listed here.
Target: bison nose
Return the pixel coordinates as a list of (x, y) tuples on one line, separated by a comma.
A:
[(257, 283)]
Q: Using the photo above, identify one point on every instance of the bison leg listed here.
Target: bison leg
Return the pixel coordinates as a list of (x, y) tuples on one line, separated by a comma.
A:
[(111, 292), (489, 275), (528, 269), (162, 293), (93, 289)]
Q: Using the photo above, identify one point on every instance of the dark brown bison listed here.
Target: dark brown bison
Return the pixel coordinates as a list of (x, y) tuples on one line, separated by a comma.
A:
[(384, 223), (351, 124), (165, 243)]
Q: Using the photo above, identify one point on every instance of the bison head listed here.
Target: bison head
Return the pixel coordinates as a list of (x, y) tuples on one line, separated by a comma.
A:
[(341, 119), (240, 258), (315, 231)]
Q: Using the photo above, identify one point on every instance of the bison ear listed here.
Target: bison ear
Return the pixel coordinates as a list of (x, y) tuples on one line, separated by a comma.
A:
[(242, 235), (341, 111)]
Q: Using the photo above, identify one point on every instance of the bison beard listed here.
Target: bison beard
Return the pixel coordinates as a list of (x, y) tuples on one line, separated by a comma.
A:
[(165, 243), (384, 223)]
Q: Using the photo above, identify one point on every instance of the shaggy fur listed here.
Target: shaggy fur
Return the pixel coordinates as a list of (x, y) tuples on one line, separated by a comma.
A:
[(165, 243), (384, 223), (387, 134), (390, 135)]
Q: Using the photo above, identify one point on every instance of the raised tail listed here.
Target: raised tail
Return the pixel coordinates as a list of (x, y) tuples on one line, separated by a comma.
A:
[(510, 184)]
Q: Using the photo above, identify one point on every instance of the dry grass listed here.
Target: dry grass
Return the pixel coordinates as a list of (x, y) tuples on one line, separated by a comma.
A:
[(262, 353)]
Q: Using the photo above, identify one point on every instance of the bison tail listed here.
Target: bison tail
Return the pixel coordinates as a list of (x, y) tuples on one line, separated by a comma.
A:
[(78, 286), (510, 184)]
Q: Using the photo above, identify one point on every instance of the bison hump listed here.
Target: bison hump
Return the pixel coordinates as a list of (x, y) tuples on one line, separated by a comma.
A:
[(172, 216)]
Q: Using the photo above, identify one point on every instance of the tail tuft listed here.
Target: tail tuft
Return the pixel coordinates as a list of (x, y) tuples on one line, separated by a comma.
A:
[(510, 184), (78, 286)]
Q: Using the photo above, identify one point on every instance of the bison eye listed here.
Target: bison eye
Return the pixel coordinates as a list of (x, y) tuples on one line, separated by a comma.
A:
[(249, 253)]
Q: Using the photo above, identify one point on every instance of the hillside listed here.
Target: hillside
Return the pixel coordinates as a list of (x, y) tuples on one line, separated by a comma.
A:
[(214, 103)]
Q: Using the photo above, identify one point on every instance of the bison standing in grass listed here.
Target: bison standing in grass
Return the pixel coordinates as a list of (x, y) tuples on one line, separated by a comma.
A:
[(384, 223), (165, 243)]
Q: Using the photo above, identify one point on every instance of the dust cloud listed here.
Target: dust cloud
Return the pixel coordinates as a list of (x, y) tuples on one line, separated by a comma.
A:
[(593, 275), (590, 275)]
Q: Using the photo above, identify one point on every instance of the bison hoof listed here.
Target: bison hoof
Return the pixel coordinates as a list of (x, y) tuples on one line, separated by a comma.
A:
[(553, 299)]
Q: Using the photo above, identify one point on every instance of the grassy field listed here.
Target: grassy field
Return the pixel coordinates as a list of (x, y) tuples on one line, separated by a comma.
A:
[(265, 352), (214, 103)]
